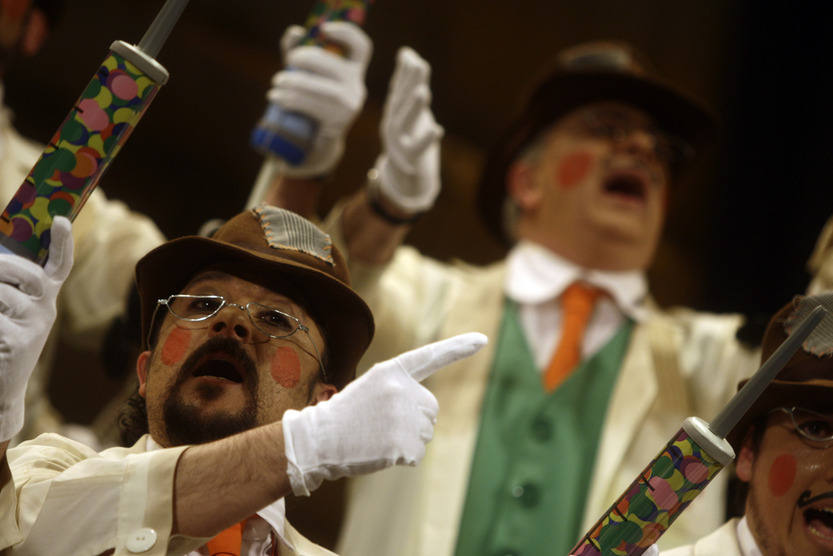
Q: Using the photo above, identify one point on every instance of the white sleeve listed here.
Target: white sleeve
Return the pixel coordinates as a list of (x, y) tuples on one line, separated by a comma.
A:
[(72, 500)]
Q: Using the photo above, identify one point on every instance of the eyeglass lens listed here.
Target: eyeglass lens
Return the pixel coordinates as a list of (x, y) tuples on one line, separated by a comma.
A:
[(617, 127), (812, 425), (267, 319)]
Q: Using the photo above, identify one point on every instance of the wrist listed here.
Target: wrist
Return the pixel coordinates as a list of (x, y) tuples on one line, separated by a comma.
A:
[(300, 451), (384, 208), (11, 417), (320, 162)]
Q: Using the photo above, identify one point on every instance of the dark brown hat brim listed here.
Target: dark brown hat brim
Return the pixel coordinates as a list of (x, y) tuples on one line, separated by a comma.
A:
[(344, 317), (814, 394), (675, 112)]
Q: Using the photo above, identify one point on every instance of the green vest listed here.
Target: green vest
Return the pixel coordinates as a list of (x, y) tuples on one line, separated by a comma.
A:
[(535, 450)]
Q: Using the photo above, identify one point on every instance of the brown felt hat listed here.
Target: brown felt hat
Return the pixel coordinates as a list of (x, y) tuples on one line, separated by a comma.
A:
[(807, 378), (271, 247), (586, 73)]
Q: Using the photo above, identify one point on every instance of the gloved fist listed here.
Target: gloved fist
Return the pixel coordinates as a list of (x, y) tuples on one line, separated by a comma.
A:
[(27, 312), (324, 85), (408, 169), (383, 418)]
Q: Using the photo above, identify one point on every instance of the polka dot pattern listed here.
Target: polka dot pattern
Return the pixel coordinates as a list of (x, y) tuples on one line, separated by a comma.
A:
[(663, 490), (72, 163)]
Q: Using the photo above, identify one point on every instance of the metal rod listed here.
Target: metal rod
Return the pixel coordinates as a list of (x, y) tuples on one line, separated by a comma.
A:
[(158, 32), (743, 400)]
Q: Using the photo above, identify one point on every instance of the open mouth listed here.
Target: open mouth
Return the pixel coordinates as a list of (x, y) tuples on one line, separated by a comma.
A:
[(820, 522), (628, 186), (219, 368)]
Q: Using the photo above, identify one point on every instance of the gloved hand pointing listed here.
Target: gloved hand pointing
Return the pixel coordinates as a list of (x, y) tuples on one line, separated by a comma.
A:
[(325, 86), (27, 312), (383, 418)]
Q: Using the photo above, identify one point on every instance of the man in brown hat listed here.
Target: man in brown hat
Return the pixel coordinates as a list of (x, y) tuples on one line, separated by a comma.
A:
[(253, 336), (784, 449), (585, 375)]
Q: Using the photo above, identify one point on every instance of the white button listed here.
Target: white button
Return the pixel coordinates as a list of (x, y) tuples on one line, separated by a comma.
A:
[(141, 540)]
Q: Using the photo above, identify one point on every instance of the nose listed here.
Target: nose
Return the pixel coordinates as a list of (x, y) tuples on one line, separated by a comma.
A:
[(638, 141), (232, 321)]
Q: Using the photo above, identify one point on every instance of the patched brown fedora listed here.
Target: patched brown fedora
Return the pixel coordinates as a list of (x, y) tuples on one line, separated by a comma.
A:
[(807, 379), (586, 73), (271, 247)]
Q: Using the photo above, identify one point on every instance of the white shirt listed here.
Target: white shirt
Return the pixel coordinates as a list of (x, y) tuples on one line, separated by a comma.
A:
[(748, 546), (535, 279), (259, 531)]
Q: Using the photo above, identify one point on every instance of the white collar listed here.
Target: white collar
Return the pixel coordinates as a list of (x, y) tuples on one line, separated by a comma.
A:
[(274, 514), (535, 275), (748, 546)]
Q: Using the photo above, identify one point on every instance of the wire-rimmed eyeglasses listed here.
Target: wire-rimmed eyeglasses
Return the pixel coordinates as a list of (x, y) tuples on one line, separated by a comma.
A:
[(268, 320), (815, 427)]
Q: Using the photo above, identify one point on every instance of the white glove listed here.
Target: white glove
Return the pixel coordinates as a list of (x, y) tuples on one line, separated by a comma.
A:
[(27, 312), (383, 418), (409, 167), (324, 85)]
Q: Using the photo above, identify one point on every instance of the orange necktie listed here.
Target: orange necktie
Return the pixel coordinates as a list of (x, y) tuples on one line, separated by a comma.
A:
[(228, 542), (577, 304)]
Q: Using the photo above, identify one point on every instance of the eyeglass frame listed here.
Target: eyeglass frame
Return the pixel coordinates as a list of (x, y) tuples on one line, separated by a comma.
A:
[(821, 442), (245, 308), (679, 150)]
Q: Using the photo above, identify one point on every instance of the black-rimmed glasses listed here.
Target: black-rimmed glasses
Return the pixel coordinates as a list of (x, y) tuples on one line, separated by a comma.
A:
[(616, 127), (268, 320)]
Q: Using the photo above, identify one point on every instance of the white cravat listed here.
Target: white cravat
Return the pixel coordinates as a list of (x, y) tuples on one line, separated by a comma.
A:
[(257, 534), (748, 546), (535, 279)]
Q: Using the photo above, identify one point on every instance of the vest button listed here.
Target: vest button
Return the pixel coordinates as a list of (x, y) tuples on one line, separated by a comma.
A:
[(541, 429), (527, 494)]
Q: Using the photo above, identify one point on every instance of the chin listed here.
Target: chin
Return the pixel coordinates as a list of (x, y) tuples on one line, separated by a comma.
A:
[(198, 424)]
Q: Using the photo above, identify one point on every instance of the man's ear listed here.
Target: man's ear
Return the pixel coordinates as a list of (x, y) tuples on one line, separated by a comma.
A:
[(323, 392), (746, 457), (521, 185), (142, 363), (37, 29)]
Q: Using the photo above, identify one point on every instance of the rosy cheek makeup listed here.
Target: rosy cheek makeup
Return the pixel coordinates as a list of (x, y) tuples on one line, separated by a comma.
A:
[(176, 344), (286, 367), (782, 474), (573, 169)]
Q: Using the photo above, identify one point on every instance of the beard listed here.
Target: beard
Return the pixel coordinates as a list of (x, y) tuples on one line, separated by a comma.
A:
[(754, 518), (184, 420)]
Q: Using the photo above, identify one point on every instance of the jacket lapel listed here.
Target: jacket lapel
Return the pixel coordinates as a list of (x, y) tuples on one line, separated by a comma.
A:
[(632, 397), (459, 389)]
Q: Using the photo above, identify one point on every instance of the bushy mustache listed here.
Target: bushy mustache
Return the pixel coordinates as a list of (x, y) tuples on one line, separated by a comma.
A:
[(220, 344)]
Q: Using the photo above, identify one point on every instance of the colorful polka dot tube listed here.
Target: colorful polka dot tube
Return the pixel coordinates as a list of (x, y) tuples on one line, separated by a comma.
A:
[(353, 11), (77, 155), (653, 501)]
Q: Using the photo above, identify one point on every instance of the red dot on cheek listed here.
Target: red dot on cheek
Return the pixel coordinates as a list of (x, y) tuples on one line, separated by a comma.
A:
[(573, 168), (286, 367), (176, 344), (782, 474)]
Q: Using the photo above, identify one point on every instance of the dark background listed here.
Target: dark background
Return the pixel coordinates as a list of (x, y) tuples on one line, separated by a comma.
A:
[(737, 238)]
